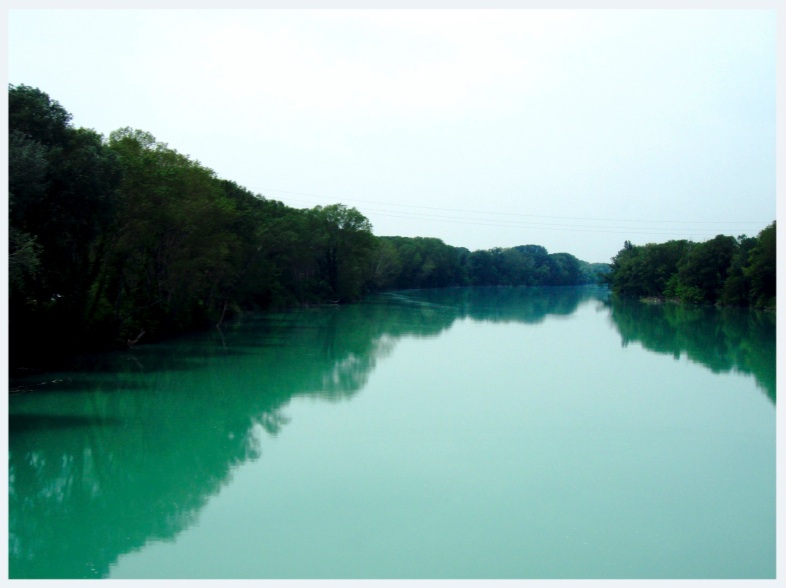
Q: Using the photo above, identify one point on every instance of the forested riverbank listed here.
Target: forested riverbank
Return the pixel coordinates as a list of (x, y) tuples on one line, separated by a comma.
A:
[(119, 240), (728, 271)]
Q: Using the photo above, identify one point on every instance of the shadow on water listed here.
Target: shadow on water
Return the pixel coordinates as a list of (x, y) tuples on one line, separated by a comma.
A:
[(21, 423), (95, 474), (721, 339)]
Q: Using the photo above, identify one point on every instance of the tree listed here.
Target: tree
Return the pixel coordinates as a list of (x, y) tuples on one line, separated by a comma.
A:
[(33, 113), (565, 270), (23, 260), (518, 267), (62, 201), (705, 266), (737, 287), (175, 248), (27, 169), (484, 267), (725, 270), (344, 241), (762, 268), (385, 264), (623, 276), (656, 264), (427, 262)]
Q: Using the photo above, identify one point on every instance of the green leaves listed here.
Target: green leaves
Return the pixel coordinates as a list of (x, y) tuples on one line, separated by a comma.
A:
[(344, 244), (726, 270), (761, 269), (34, 113), (62, 187)]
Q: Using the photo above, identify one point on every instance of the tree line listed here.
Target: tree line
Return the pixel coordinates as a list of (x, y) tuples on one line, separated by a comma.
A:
[(114, 239), (725, 270)]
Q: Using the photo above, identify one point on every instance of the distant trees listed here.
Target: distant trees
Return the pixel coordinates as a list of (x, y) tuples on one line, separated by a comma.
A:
[(724, 270), (422, 262)]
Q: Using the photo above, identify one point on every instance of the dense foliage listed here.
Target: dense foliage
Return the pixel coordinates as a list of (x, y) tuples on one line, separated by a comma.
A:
[(725, 270), (423, 262), (112, 239)]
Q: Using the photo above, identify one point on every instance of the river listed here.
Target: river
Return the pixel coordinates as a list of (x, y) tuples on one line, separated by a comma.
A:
[(456, 433)]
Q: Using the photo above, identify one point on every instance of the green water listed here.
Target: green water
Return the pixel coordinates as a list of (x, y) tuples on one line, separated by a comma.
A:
[(467, 433)]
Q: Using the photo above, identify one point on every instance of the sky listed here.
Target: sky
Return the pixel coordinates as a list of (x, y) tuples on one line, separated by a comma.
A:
[(572, 129)]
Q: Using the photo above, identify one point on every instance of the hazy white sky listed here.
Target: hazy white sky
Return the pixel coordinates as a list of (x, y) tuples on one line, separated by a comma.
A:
[(575, 130)]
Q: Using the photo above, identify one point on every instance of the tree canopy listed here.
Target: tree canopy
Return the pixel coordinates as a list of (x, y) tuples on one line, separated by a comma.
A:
[(732, 271)]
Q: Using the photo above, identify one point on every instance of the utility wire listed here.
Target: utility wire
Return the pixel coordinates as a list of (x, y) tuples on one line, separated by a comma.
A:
[(506, 214), (553, 227), (532, 224)]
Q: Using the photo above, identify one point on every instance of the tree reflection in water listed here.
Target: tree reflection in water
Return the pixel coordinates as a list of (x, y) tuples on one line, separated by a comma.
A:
[(128, 448), (721, 339)]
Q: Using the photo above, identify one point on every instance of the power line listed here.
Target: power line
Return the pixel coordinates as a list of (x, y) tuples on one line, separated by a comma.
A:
[(506, 214), (551, 227), (523, 224), (533, 225)]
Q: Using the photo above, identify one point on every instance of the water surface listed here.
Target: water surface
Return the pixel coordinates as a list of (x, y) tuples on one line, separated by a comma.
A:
[(460, 433)]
